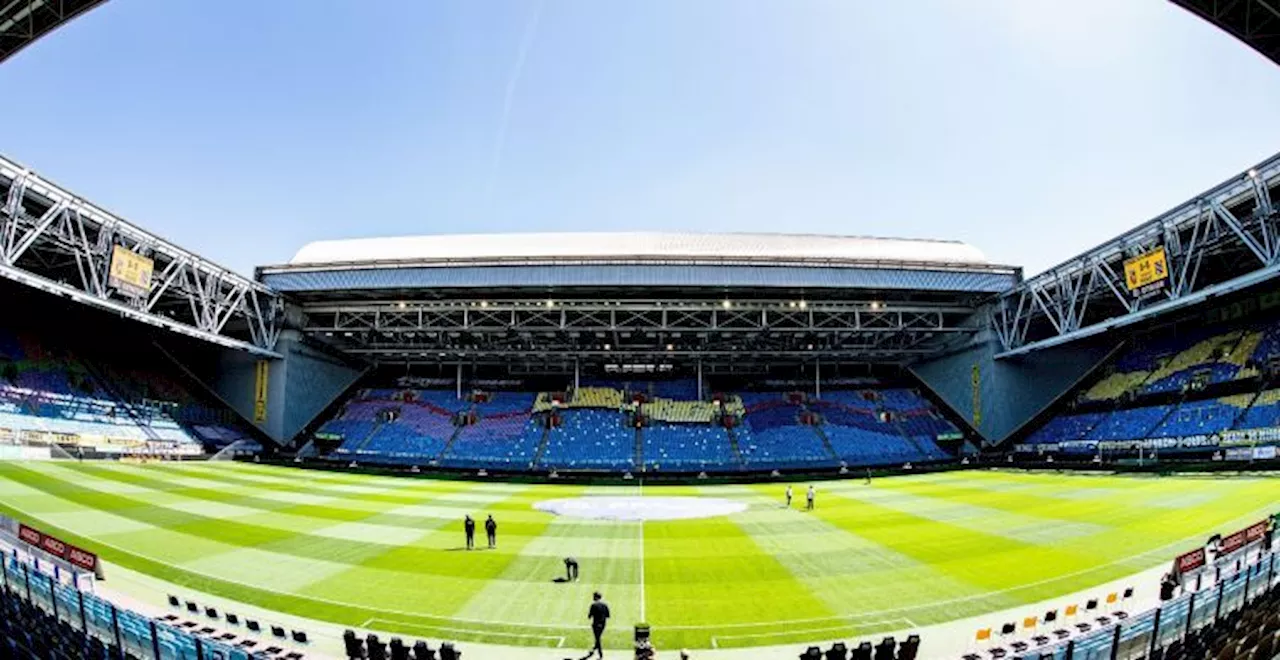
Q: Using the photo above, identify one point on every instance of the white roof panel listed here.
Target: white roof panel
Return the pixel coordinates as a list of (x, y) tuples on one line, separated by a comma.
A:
[(635, 245)]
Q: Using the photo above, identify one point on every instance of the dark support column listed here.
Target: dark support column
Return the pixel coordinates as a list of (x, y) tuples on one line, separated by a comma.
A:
[(1191, 610), (155, 640), (84, 622), (1115, 642), (1155, 632), (53, 598), (115, 625)]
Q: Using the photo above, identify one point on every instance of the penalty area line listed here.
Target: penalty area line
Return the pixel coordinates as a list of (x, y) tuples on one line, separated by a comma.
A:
[(391, 625), (715, 639)]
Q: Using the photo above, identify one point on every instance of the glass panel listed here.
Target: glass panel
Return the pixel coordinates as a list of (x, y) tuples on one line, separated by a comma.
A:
[(1135, 636), (41, 591), (1205, 606), (97, 614), (14, 575), (1173, 620), (1232, 593), (135, 633), (68, 605), (1095, 646), (175, 644)]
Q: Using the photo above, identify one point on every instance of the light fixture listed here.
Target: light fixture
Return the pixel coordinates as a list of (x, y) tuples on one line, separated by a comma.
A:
[(551, 303), (1252, 174), (803, 304), (670, 347), (401, 304), (726, 304), (608, 347), (484, 303), (875, 305)]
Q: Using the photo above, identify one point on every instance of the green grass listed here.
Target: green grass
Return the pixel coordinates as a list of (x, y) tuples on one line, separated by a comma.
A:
[(385, 553)]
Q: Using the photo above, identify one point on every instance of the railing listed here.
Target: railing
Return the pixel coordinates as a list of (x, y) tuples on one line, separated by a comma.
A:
[(136, 634), (1140, 635)]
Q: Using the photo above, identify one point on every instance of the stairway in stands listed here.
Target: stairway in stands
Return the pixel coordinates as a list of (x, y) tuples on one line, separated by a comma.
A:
[(638, 454), (542, 446), (826, 443), (444, 451), (377, 426), (733, 446)]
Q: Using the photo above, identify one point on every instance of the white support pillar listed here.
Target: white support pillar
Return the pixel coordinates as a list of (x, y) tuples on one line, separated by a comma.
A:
[(817, 379), (699, 379), (459, 381), (576, 374)]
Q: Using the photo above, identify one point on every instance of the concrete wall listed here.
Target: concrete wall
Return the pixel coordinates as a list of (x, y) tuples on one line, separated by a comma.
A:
[(299, 386), (997, 397)]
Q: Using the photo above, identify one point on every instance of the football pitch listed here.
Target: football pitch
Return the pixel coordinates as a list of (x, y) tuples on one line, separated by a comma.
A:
[(388, 554)]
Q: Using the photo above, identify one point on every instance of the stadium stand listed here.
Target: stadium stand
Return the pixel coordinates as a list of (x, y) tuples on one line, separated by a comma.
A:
[(95, 401), (590, 440), (508, 430), (687, 447)]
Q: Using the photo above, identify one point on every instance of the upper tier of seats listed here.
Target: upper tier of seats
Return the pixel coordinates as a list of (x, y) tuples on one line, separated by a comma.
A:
[(98, 401), (1171, 364)]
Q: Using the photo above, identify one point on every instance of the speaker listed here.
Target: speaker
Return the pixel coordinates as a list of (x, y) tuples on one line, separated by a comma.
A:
[(884, 650), (355, 647), (377, 650), (908, 649), (398, 650), (423, 652)]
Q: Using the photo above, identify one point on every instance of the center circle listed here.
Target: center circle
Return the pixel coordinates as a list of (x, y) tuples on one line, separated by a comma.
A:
[(635, 507)]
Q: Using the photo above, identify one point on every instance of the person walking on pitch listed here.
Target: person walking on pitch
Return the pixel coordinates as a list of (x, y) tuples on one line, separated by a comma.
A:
[(809, 498), (788, 496), (491, 530), (599, 615), (469, 526)]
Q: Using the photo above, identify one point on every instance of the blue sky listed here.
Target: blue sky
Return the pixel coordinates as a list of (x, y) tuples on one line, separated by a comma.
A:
[(1033, 129)]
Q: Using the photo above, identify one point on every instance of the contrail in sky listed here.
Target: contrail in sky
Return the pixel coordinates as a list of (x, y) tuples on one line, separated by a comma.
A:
[(513, 81)]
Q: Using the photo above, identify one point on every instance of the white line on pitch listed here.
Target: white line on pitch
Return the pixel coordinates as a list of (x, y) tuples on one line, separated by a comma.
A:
[(391, 625), (642, 619), (715, 640)]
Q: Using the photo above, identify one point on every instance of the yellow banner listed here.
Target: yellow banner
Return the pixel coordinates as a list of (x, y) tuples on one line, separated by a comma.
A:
[(260, 392), (976, 379), (130, 272), (1146, 269)]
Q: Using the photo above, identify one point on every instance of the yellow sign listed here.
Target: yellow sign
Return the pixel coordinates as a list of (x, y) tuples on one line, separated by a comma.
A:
[(976, 378), (130, 272), (1146, 269), (260, 392)]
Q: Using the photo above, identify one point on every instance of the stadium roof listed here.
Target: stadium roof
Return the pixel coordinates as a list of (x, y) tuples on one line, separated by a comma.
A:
[(631, 247)]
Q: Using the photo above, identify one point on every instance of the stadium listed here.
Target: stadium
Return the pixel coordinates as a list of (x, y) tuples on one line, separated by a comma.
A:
[(752, 445)]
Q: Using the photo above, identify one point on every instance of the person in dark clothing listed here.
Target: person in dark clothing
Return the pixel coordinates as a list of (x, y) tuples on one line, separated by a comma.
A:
[(491, 530), (599, 615), (571, 569), (470, 526)]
